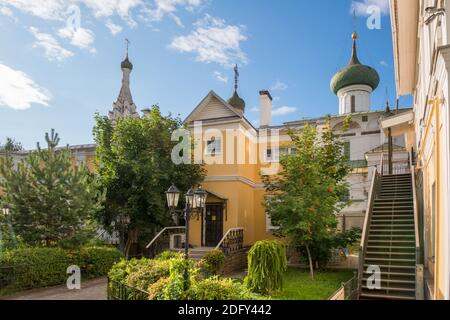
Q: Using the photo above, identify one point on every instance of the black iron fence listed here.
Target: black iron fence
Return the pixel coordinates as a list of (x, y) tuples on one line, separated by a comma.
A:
[(232, 242), (119, 291), (347, 291)]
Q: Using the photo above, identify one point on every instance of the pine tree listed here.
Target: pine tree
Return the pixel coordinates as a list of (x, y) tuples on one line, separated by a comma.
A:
[(50, 199)]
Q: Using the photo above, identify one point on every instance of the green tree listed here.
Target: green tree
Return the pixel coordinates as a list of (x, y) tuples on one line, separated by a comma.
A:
[(135, 169), (308, 193), (11, 145), (50, 200)]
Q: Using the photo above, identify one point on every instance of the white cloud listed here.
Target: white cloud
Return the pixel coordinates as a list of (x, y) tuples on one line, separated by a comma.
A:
[(279, 86), (79, 37), (58, 10), (254, 109), (45, 9), (220, 77), (53, 50), (213, 41), (361, 8), (384, 64), (162, 8), (113, 28), (177, 20), (281, 111), (109, 8), (6, 11), (18, 91)]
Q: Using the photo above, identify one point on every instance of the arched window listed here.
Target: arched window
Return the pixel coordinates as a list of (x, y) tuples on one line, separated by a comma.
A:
[(353, 104)]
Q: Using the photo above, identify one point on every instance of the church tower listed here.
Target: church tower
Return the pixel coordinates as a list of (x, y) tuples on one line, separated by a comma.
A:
[(354, 84), (124, 106)]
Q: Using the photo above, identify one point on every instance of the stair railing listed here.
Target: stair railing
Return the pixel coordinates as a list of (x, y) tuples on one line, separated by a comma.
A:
[(419, 258), (161, 242), (232, 241), (374, 191)]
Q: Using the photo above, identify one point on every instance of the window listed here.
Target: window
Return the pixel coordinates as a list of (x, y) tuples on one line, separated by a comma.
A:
[(272, 154), (213, 147), (365, 119), (353, 104), (347, 149)]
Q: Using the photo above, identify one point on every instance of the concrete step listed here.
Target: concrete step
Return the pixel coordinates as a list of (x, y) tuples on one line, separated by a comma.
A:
[(392, 225), (375, 296), (392, 266), (392, 281), (412, 242), (392, 288), (392, 247), (395, 274), (375, 253)]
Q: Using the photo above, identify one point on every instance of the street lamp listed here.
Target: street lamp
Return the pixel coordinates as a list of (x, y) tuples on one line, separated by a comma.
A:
[(195, 201), (124, 220)]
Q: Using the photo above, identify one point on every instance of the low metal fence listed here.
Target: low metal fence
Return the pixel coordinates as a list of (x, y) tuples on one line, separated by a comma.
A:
[(347, 291), (120, 291)]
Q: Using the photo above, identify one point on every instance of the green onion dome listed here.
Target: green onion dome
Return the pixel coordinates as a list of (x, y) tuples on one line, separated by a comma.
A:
[(355, 73), (126, 64), (237, 102)]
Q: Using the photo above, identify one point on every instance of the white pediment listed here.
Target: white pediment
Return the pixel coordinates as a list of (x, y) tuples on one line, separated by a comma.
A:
[(212, 107)]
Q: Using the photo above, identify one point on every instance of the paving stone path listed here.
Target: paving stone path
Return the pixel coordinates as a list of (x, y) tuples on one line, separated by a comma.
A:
[(90, 290)]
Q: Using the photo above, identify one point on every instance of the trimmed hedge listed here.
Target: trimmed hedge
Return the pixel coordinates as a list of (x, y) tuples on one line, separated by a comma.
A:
[(29, 268)]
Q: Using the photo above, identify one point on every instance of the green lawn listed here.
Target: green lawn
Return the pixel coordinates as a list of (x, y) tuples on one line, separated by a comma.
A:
[(297, 284)]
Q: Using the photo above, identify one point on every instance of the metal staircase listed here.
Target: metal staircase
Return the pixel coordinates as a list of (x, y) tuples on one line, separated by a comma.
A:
[(391, 239)]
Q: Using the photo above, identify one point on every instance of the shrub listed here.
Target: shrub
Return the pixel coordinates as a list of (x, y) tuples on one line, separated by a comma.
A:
[(218, 289), (120, 271), (43, 267), (168, 255), (156, 290), (212, 263), (95, 261), (175, 288), (266, 265), (146, 274), (34, 268)]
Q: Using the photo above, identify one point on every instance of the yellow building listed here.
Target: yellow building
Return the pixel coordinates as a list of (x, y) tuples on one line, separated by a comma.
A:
[(421, 40)]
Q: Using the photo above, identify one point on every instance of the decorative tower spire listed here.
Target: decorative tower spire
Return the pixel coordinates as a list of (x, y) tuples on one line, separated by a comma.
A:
[(236, 77), (236, 101), (354, 59), (124, 106)]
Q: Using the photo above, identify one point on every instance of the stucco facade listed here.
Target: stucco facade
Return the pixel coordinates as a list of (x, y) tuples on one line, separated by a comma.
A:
[(421, 32)]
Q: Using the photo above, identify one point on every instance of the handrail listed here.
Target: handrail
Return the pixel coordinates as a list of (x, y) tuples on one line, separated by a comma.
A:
[(365, 233), (160, 234), (226, 236), (419, 262)]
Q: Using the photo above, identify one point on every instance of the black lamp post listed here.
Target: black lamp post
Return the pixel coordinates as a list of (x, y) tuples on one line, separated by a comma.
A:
[(124, 221), (195, 200)]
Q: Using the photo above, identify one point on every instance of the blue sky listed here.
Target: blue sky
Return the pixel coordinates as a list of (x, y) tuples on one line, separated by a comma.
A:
[(53, 77)]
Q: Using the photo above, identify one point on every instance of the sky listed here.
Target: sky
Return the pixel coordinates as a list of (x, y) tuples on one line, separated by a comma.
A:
[(60, 59)]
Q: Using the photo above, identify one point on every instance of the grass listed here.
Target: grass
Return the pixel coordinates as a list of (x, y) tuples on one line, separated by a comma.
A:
[(297, 284)]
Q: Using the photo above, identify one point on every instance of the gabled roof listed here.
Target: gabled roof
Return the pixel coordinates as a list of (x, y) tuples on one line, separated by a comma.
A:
[(385, 147), (229, 111)]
